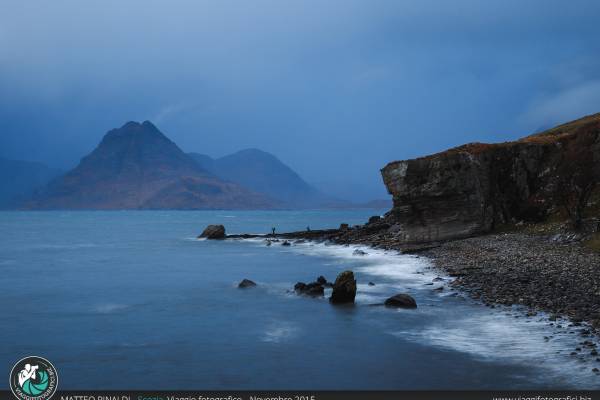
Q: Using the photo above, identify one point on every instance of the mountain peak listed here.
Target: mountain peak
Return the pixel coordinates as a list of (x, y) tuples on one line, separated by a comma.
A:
[(137, 166)]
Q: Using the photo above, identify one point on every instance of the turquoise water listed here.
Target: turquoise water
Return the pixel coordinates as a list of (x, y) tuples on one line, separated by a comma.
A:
[(131, 300)]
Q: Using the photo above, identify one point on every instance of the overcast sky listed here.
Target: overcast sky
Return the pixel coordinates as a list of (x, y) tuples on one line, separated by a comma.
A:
[(334, 88)]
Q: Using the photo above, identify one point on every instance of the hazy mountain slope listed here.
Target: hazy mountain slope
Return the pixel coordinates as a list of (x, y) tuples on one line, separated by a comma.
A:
[(19, 180), (136, 166), (264, 173)]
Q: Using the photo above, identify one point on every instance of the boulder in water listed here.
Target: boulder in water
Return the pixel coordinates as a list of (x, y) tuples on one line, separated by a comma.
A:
[(313, 289), (246, 283), (213, 232), (401, 300), (344, 288)]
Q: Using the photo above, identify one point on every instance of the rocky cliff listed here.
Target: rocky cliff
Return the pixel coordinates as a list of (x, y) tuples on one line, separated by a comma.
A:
[(138, 167), (474, 188)]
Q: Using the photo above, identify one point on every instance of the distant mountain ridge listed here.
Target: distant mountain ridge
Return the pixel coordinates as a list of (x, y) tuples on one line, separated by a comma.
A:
[(138, 167), (262, 172), (19, 180)]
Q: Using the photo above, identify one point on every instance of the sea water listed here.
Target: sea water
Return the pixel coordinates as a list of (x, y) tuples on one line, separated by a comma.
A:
[(132, 300)]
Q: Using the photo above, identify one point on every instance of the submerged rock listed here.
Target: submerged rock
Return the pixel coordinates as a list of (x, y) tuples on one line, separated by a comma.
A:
[(286, 243), (246, 283), (359, 252), (401, 300), (344, 288), (213, 232)]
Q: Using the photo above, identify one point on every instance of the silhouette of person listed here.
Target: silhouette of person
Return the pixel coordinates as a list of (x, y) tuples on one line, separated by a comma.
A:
[(27, 373), (273, 229)]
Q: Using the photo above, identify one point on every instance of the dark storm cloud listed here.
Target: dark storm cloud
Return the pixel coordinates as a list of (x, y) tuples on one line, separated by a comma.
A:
[(334, 88)]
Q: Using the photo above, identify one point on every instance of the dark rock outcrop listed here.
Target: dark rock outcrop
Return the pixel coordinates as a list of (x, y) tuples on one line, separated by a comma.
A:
[(246, 283), (474, 188), (344, 288), (401, 300), (313, 289), (213, 232)]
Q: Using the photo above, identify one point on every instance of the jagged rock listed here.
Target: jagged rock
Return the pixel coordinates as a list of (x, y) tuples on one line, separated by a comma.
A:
[(246, 283), (321, 280), (313, 289), (344, 288), (401, 300), (344, 227), (213, 232)]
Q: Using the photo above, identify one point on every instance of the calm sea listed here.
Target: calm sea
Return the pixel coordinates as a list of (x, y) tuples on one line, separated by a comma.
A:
[(131, 300)]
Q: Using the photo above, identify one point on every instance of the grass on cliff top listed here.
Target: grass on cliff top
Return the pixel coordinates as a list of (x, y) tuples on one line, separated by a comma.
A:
[(590, 122)]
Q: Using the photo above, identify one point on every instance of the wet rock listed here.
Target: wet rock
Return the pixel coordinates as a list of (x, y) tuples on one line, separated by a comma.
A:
[(371, 284), (213, 232), (246, 283), (313, 289), (344, 288), (321, 280), (359, 252), (401, 300), (286, 243), (344, 227)]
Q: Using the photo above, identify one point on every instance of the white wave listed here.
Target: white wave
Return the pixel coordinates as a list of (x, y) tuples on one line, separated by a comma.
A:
[(279, 331), (109, 308), (402, 268), (522, 341)]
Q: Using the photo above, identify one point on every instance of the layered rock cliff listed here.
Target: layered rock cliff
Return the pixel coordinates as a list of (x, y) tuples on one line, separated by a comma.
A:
[(474, 188)]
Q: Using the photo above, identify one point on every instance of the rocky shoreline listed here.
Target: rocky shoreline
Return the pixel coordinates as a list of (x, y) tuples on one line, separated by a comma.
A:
[(543, 273), (552, 273)]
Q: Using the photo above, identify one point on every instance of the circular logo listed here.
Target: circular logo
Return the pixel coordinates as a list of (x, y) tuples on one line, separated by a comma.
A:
[(33, 378)]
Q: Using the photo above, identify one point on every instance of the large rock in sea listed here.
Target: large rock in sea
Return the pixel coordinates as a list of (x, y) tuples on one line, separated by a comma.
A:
[(344, 288), (471, 189), (401, 300), (246, 283), (213, 232)]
